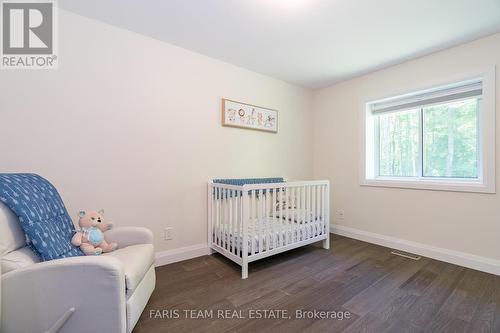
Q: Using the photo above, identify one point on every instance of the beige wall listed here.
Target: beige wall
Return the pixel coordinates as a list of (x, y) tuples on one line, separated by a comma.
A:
[(467, 222), (132, 125)]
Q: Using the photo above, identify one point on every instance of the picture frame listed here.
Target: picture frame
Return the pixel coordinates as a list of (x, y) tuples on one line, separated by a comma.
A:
[(248, 116)]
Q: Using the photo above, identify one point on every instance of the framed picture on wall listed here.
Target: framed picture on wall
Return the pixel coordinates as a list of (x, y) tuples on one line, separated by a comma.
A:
[(242, 115)]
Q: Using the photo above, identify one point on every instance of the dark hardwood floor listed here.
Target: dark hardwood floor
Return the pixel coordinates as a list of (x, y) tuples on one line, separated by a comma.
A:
[(382, 292)]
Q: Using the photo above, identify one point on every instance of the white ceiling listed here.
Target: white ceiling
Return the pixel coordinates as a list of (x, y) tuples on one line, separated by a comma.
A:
[(312, 43)]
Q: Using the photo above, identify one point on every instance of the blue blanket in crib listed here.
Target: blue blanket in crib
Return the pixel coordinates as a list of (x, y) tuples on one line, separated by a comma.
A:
[(244, 181), (42, 214)]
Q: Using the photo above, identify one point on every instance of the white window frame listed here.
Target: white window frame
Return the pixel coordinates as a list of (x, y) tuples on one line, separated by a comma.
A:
[(485, 183)]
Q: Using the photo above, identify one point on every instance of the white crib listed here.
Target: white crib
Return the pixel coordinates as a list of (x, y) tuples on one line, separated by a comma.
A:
[(254, 221)]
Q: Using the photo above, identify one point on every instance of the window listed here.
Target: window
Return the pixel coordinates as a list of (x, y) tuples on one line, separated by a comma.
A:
[(441, 138), (450, 139)]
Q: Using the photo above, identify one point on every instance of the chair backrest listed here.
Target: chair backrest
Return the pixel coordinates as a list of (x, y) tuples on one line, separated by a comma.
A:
[(11, 233), (47, 226)]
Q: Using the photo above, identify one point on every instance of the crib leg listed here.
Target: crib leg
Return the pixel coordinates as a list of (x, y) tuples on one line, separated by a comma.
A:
[(326, 243), (244, 270), (211, 251)]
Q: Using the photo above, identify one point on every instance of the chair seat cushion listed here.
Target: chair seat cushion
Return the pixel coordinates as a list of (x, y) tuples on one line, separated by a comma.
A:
[(18, 259), (136, 260)]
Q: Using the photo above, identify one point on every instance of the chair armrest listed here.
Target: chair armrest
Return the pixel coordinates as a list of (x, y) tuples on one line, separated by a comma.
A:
[(126, 236), (36, 297)]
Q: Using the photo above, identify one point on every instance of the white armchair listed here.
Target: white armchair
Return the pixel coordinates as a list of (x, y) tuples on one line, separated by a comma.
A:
[(81, 294)]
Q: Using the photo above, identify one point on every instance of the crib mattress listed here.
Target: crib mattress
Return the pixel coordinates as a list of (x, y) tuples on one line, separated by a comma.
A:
[(292, 230)]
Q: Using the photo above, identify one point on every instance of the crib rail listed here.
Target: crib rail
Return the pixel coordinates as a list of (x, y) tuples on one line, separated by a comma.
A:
[(249, 222)]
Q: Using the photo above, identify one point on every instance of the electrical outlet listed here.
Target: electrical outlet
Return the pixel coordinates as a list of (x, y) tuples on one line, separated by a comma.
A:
[(169, 233), (340, 214)]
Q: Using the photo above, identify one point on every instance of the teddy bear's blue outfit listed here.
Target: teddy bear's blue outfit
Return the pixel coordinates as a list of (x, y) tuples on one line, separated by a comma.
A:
[(94, 235)]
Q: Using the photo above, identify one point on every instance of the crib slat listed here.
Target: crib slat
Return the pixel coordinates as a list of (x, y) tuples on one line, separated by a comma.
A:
[(294, 213), (323, 206), (240, 221), (261, 221), (288, 199), (299, 214), (217, 230), (270, 224), (280, 218), (305, 232), (304, 211), (309, 209), (311, 213), (263, 233), (237, 219), (245, 212), (294, 205), (268, 220), (230, 222), (267, 229), (316, 211), (256, 222), (233, 222), (320, 199), (297, 218), (214, 200), (287, 227), (327, 213), (313, 210), (227, 221), (284, 215), (231, 225), (252, 223), (291, 217), (224, 218), (219, 220), (236, 199), (273, 220), (307, 215), (210, 216), (258, 203), (248, 226)]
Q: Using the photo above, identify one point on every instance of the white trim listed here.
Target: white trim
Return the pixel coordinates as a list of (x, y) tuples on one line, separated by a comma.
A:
[(180, 254), (479, 263), (455, 185), (486, 182)]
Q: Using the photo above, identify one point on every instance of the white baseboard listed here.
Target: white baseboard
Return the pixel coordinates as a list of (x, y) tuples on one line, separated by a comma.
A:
[(180, 254), (479, 263)]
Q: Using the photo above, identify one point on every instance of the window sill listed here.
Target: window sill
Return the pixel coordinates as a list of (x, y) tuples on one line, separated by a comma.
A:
[(434, 185)]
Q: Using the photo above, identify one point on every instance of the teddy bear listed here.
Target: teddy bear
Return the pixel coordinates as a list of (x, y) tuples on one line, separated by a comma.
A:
[(90, 238)]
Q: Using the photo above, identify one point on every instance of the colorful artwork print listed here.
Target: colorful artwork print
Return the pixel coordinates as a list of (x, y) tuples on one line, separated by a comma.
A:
[(249, 116)]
